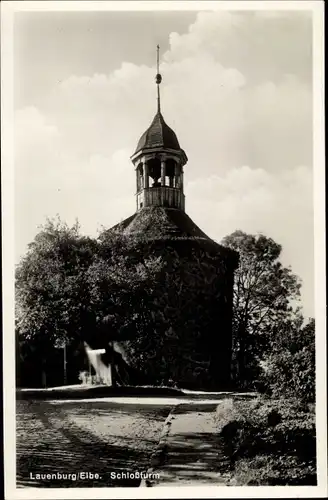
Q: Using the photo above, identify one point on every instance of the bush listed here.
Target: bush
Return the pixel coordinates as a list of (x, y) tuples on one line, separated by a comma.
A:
[(274, 471), (269, 441), (289, 367)]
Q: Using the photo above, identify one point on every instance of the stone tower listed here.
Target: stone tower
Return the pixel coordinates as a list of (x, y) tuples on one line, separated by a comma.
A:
[(193, 313)]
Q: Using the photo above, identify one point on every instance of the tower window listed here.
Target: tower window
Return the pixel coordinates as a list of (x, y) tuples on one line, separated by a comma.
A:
[(154, 166), (170, 167)]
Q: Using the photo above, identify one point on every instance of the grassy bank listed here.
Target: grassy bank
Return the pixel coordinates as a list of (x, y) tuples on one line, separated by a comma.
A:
[(268, 442)]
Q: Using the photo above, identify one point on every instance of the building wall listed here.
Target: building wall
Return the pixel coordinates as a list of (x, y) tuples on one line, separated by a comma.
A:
[(187, 338)]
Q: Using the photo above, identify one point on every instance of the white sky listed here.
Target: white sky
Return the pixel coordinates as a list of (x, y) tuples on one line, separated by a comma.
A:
[(236, 89)]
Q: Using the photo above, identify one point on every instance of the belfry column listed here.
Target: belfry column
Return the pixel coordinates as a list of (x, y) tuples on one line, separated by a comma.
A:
[(181, 187), (138, 179), (176, 175), (146, 182)]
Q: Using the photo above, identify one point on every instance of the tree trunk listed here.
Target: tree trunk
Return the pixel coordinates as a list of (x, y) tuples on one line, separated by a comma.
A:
[(241, 360)]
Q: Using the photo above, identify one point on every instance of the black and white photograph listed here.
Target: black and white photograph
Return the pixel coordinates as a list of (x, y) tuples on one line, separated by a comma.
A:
[(164, 271)]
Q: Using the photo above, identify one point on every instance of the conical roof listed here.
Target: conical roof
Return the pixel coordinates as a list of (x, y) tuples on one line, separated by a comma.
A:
[(158, 135), (164, 224)]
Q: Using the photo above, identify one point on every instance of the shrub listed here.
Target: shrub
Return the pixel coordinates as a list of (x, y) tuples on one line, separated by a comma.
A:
[(273, 471), (289, 366), (269, 441)]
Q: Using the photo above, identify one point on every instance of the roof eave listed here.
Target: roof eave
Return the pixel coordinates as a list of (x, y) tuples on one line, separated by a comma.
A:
[(160, 149)]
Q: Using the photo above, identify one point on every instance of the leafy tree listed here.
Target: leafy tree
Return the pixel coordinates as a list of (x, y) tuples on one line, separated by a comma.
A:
[(52, 296), (264, 291), (70, 289), (289, 365)]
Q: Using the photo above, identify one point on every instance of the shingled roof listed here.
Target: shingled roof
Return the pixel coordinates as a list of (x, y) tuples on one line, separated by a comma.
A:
[(162, 221), (158, 135), (165, 224)]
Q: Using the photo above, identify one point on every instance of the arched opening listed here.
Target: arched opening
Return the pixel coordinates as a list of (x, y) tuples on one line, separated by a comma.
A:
[(154, 171), (170, 172)]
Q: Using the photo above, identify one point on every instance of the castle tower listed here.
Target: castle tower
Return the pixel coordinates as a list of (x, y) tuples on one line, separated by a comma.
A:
[(187, 337), (159, 163)]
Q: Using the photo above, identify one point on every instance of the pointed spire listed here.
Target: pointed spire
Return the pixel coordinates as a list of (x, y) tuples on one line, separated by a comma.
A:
[(158, 81)]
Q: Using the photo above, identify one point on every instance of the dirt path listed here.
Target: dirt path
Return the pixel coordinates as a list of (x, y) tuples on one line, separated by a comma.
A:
[(92, 437)]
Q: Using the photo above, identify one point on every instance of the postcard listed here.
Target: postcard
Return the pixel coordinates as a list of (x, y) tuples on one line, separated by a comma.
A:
[(163, 249)]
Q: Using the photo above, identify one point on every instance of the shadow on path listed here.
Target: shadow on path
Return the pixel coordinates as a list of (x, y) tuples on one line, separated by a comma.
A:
[(49, 442), (193, 457)]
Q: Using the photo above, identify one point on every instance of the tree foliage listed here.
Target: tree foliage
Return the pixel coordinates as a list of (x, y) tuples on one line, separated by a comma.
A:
[(121, 279), (52, 295), (67, 284), (264, 292), (70, 289)]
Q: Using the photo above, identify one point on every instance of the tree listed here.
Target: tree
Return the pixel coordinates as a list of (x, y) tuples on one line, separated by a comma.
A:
[(264, 292), (71, 289), (51, 288), (52, 296)]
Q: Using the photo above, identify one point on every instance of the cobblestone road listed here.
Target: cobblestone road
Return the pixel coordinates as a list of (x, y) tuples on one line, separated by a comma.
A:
[(92, 437)]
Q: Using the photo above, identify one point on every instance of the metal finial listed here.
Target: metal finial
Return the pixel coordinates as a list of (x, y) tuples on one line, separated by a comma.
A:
[(158, 81), (157, 58)]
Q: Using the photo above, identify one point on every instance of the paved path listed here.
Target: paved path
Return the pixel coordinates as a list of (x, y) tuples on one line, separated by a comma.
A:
[(190, 452), (98, 437)]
